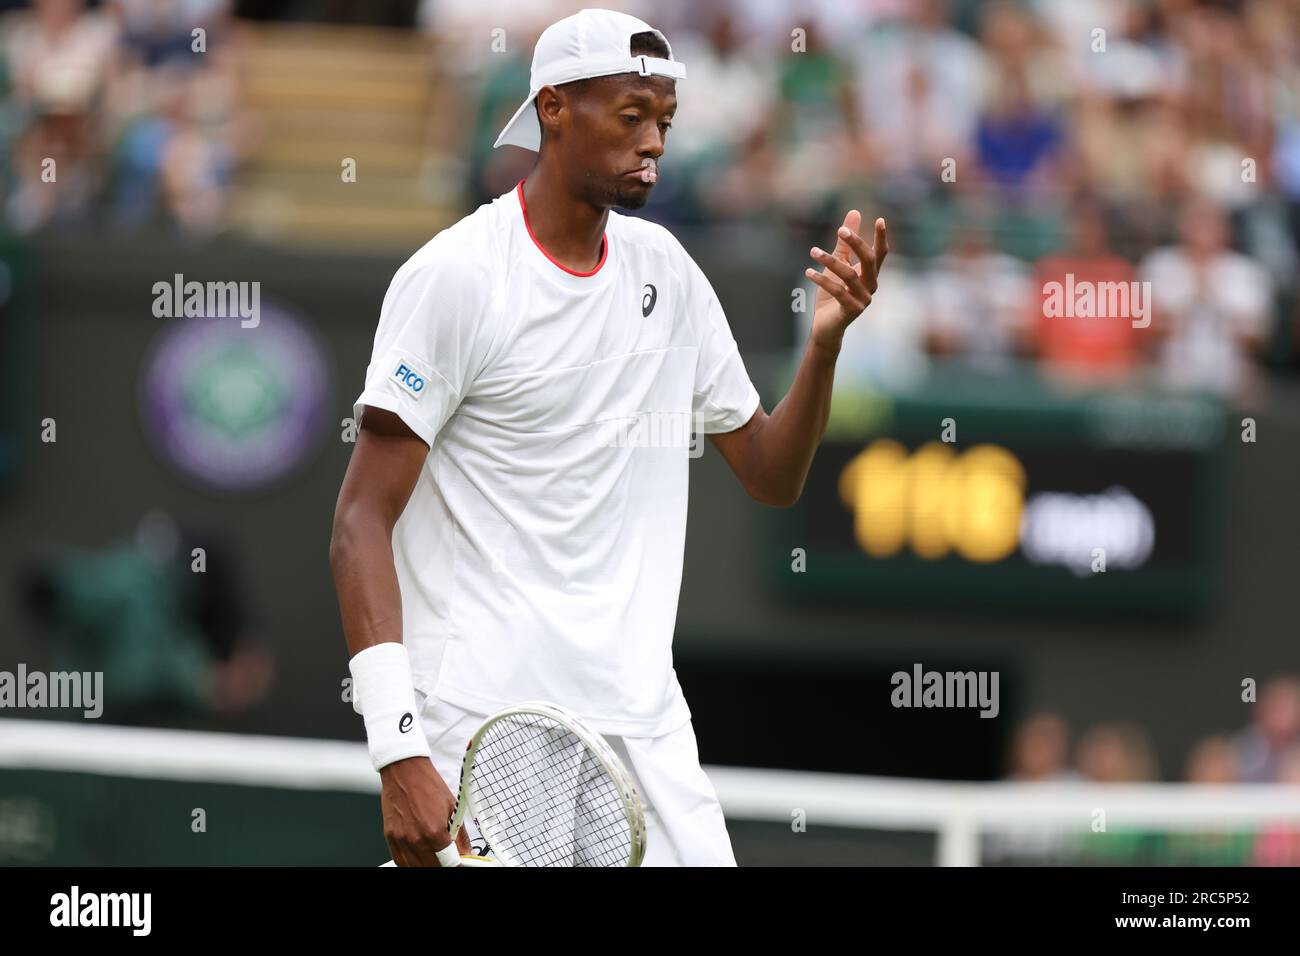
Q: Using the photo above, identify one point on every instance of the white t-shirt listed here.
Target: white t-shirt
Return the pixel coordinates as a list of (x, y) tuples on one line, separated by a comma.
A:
[(540, 554), (1206, 313)]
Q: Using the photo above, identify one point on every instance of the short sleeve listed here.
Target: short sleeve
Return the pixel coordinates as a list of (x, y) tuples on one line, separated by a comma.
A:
[(725, 398), (430, 342)]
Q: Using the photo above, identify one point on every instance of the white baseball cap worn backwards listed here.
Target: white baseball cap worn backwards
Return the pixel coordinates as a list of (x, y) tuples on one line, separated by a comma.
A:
[(590, 43)]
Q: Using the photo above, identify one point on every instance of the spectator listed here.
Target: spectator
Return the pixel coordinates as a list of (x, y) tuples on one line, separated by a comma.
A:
[(1213, 761), (978, 300), (1019, 145), (1116, 753), (167, 641), (1274, 731), (920, 98), (1212, 306), (1228, 102), (1078, 348), (814, 126), (1038, 755), (1040, 750), (729, 95), (1129, 127), (174, 117), (58, 56)]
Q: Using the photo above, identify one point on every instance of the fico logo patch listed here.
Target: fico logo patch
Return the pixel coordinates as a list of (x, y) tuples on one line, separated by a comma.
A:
[(409, 379)]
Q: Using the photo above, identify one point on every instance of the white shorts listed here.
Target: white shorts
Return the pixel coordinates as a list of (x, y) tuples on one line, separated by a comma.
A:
[(684, 822)]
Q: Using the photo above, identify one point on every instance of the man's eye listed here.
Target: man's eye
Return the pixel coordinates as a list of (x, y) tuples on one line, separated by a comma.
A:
[(631, 117), (666, 126)]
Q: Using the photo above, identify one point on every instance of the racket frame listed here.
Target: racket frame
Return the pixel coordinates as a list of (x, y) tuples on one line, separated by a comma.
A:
[(594, 742)]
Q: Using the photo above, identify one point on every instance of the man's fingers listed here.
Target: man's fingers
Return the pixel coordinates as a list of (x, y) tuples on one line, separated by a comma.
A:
[(852, 222), (417, 849), (850, 243), (859, 247), (840, 291), (865, 256), (404, 854), (462, 841), (852, 278)]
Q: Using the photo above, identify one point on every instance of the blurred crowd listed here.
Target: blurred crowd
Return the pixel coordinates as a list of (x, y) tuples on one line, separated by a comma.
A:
[(1011, 144), (123, 114), (1266, 750)]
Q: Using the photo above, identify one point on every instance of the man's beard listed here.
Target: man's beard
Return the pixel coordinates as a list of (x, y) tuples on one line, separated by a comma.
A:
[(632, 198), (618, 195)]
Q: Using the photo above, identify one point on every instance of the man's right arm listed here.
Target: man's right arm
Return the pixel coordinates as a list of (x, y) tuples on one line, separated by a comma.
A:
[(380, 478), (386, 462)]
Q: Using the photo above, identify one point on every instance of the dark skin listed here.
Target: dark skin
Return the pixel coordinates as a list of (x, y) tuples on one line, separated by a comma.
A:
[(596, 133), (416, 802)]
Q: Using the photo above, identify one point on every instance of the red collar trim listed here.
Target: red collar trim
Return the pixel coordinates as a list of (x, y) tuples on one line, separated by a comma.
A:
[(604, 241)]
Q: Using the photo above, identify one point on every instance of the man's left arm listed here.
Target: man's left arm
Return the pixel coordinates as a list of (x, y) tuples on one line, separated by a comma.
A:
[(771, 454)]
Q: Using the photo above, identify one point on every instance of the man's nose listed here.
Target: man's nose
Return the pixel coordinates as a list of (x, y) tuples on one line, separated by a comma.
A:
[(652, 145)]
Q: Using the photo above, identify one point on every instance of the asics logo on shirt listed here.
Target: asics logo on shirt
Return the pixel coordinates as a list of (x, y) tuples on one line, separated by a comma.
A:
[(648, 300), (404, 725)]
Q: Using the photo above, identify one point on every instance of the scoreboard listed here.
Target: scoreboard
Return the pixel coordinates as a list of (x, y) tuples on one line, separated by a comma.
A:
[(1009, 493)]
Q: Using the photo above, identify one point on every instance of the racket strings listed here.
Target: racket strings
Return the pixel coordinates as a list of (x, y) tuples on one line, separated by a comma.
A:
[(548, 806), (544, 821), (544, 798)]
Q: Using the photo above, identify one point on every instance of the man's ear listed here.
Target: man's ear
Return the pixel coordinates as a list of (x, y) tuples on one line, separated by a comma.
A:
[(549, 104)]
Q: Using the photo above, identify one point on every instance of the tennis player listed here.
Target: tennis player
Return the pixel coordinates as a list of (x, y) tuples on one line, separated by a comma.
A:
[(505, 531)]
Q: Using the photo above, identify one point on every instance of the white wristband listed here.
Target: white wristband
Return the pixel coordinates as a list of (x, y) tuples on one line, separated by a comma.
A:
[(383, 691)]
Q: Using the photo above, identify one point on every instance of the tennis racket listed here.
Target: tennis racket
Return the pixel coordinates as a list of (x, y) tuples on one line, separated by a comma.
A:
[(545, 790)]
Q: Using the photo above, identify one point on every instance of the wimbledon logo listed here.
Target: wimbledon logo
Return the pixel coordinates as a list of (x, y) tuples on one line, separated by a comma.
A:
[(235, 410)]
